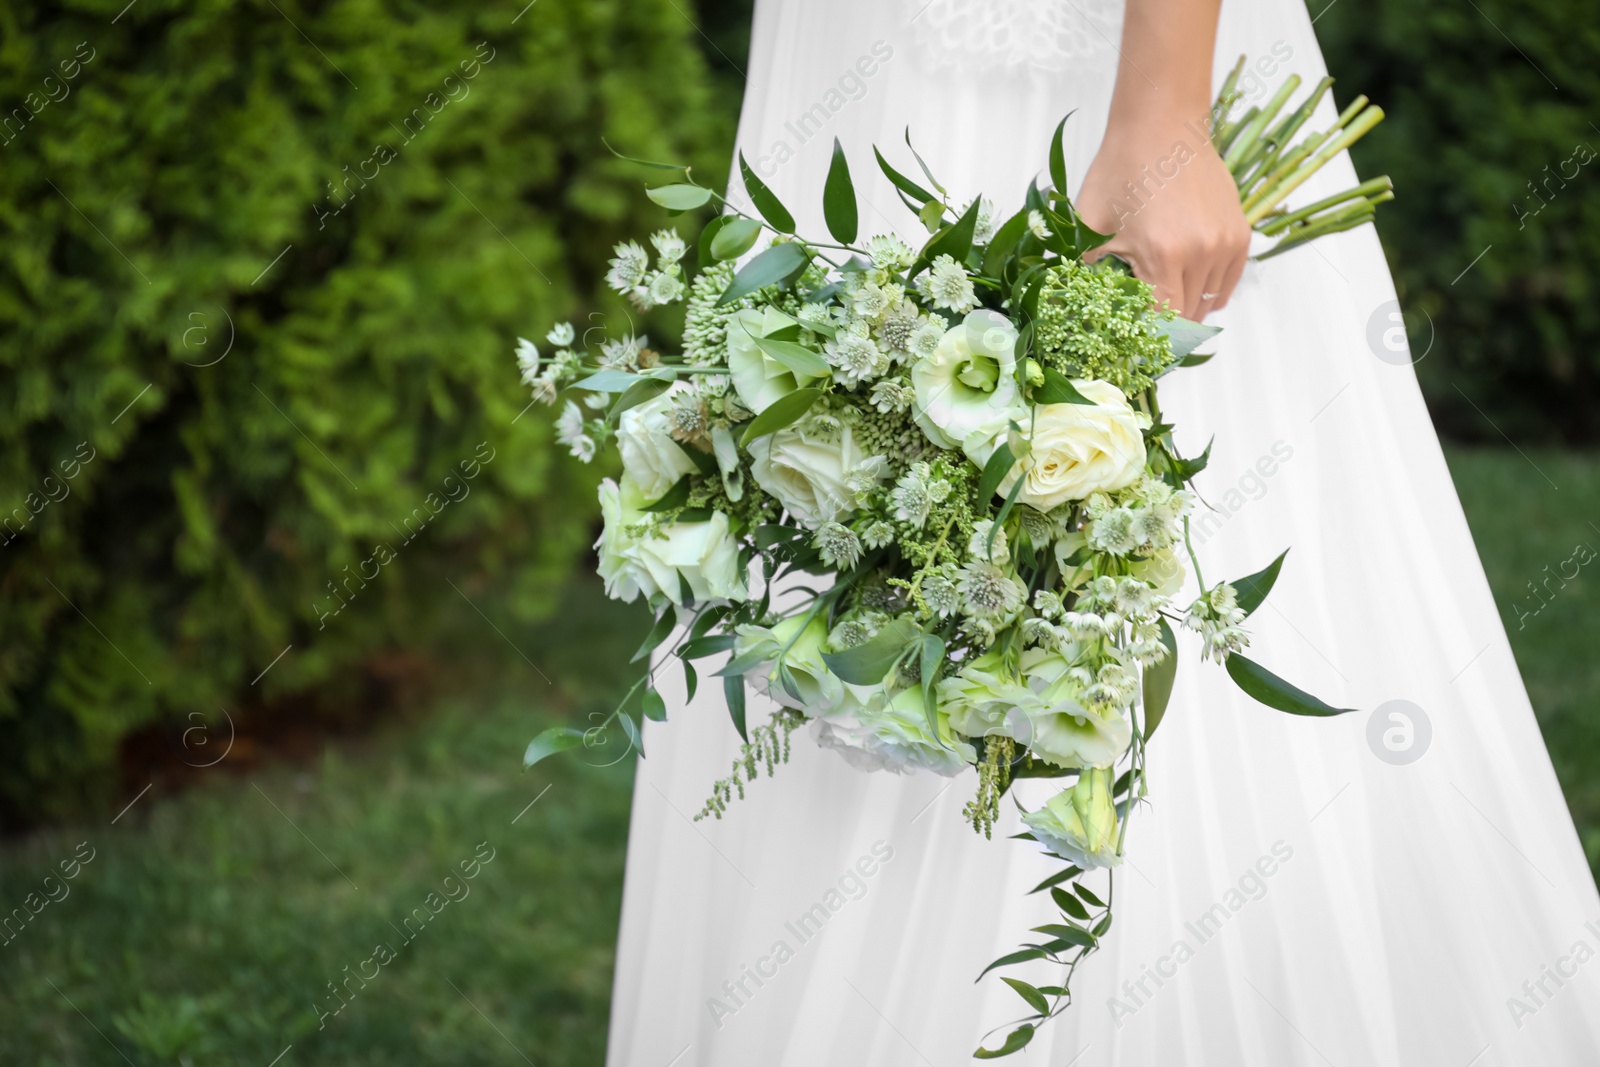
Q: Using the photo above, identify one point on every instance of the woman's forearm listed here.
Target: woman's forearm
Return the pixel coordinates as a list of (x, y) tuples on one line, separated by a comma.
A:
[(1165, 72)]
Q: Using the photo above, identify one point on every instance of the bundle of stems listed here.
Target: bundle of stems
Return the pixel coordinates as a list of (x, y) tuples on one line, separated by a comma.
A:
[(1258, 148)]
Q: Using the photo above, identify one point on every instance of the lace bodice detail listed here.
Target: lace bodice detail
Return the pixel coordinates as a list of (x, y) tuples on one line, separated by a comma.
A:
[(991, 36)]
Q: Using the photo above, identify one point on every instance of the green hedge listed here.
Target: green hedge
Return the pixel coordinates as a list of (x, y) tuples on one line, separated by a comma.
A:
[(1490, 141), (367, 201)]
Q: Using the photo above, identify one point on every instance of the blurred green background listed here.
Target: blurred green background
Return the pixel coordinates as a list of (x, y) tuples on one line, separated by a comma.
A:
[(274, 495)]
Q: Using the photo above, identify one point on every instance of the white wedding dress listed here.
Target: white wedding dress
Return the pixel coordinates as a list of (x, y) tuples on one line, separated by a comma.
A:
[(1290, 897)]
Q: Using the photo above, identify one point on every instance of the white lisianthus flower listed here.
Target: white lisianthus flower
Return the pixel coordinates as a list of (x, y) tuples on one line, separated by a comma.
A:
[(981, 701), (810, 472), (757, 377), (1076, 449), (651, 457), (1063, 729), (1163, 570), (968, 385), (891, 734), (703, 555), (1080, 824), (821, 691)]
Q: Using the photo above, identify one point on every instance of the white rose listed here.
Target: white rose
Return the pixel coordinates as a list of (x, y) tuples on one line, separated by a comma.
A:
[(1063, 730), (808, 471), (1077, 449), (651, 457), (703, 555), (757, 377), (969, 382)]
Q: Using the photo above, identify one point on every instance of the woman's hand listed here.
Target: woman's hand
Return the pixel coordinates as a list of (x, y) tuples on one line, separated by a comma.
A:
[(1174, 208), (1156, 182)]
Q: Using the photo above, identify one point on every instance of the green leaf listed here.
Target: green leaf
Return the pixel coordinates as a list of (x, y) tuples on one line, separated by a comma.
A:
[(796, 357), (735, 238), (1015, 1041), (1089, 898), (1186, 469), (768, 268), (1000, 516), (549, 742), (655, 708), (1058, 158), (1056, 879), (708, 233), (994, 472), (641, 391), (900, 181), (1075, 935), (690, 679), (1004, 242), (933, 649), (954, 240), (1274, 692), (839, 198), (770, 206), (1158, 682), (631, 728), (1069, 234), (675, 497), (784, 411), (926, 173), (1254, 589), (1058, 389), (1069, 904), (1028, 993), (1185, 336), (679, 197), (608, 381), (733, 689), (643, 162), (1196, 359), (867, 664), (1020, 956), (701, 647), (658, 633)]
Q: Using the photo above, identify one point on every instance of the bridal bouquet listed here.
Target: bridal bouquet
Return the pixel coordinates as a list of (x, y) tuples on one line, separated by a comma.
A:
[(923, 498)]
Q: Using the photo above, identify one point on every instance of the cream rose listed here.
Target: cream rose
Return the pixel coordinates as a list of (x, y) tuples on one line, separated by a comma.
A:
[(757, 377), (704, 555), (1077, 449), (808, 471), (651, 457), (969, 383)]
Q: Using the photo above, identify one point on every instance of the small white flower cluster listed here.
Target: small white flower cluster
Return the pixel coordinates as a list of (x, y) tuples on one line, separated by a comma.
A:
[(1216, 616), (630, 272), (1144, 518), (546, 379), (915, 494)]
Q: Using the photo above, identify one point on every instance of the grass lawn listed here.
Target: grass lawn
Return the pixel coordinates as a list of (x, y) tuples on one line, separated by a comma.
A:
[(207, 925)]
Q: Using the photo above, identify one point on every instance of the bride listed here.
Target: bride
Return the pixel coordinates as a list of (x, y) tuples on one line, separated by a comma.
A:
[(1402, 886)]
